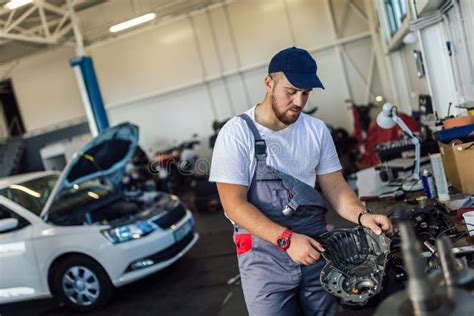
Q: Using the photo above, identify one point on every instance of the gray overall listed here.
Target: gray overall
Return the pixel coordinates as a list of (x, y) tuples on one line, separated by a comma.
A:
[(273, 283)]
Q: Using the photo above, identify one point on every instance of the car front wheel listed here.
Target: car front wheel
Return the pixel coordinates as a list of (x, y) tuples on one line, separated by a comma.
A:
[(81, 284)]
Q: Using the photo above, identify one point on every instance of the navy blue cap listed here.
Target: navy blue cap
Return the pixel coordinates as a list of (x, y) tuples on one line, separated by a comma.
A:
[(298, 66)]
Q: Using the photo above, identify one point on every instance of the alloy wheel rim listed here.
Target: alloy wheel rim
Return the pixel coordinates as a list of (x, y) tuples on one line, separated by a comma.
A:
[(81, 285)]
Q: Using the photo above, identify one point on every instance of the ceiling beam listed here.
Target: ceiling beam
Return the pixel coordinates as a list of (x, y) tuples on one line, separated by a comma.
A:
[(61, 22), (29, 32), (42, 32), (9, 19), (52, 8), (27, 38), (358, 10), (44, 22), (63, 31), (20, 19)]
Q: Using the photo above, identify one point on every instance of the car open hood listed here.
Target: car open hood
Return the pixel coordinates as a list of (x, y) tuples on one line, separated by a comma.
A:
[(104, 156)]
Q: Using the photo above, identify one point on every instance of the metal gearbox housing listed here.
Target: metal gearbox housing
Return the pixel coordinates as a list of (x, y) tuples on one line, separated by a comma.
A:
[(355, 265)]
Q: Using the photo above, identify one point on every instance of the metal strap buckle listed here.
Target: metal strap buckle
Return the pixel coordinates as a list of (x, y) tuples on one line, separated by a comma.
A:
[(288, 211), (260, 147)]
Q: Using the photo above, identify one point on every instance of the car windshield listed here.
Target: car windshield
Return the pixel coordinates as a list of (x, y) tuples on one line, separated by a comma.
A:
[(33, 194), (80, 195)]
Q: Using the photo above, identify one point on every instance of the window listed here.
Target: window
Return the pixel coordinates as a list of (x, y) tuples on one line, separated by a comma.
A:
[(80, 196), (33, 194), (396, 13), (6, 213)]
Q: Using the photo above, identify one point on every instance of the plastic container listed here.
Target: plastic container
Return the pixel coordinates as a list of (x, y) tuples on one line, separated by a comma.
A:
[(428, 184), (440, 177)]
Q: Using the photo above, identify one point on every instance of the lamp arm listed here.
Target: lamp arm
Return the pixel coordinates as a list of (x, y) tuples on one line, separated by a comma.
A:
[(402, 125), (414, 140)]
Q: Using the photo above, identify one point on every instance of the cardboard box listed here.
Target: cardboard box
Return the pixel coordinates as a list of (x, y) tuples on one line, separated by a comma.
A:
[(450, 167), (458, 162)]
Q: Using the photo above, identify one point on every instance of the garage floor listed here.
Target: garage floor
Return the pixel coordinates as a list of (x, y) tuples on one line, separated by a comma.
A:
[(196, 285)]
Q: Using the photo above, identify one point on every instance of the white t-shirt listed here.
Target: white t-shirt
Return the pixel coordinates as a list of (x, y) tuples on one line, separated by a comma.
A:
[(303, 150)]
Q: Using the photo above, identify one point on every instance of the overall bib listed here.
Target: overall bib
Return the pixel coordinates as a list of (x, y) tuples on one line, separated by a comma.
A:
[(273, 283)]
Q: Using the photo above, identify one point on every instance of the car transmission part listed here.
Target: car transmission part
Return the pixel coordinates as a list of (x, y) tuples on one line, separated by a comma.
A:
[(355, 266), (429, 222), (423, 296)]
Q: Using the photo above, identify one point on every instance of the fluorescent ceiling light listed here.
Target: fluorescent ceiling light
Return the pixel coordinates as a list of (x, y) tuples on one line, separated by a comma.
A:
[(16, 4), (133, 22)]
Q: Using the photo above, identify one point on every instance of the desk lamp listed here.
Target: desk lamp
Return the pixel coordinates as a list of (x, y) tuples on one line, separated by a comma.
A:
[(387, 119)]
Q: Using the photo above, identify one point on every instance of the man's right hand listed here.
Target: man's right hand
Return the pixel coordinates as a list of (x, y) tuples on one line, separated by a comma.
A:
[(304, 250)]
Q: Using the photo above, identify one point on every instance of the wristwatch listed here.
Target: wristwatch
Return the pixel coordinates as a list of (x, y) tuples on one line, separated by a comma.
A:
[(366, 211), (283, 240)]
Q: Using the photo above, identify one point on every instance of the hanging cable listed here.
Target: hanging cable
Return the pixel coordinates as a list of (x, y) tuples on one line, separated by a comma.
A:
[(432, 19)]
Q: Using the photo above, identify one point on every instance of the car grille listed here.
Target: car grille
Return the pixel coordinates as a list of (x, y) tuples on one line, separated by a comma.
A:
[(171, 217)]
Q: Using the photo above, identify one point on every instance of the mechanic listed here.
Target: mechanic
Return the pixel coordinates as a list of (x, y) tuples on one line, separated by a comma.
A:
[(266, 163)]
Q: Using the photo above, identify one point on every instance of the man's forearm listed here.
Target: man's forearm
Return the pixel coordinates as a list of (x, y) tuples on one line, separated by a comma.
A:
[(347, 204), (341, 197), (249, 217)]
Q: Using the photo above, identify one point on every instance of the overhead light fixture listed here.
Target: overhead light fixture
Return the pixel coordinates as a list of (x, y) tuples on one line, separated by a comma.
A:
[(133, 22), (379, 99), (13, 4)]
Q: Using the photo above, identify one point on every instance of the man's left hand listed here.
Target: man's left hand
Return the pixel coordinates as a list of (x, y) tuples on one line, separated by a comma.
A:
[(377, 223)]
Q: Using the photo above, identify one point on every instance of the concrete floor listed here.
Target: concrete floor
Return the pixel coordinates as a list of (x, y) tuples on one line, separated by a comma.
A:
[(195, 285)]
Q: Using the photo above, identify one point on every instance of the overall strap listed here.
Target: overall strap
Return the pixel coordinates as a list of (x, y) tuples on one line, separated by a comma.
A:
[(260, 145)]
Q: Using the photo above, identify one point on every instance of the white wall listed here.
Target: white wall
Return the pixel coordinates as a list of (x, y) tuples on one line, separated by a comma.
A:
[(177, 87), (45, 88), (174, 78), (416, 85), (468, 12), (467, 67)]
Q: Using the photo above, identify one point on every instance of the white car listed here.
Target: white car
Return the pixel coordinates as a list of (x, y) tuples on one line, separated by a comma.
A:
[(70, 236)]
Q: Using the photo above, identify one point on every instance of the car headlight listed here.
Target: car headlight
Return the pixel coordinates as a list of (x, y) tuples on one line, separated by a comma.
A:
[(128, 232)]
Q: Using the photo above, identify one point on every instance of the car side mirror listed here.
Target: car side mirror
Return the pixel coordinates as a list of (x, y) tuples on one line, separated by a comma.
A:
[(7, 224)]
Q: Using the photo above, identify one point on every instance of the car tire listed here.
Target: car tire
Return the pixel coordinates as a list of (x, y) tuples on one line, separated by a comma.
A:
[(81, 284)]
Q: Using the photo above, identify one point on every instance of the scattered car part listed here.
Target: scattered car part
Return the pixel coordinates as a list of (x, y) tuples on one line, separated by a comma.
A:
[(422, 297)]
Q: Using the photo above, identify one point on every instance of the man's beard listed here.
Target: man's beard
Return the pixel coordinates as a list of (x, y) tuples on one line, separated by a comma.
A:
[(281, 115)]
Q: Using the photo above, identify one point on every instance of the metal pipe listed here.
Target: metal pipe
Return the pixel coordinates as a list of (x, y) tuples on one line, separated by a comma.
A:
[(85, 101), (464, 43), (203, 67), (337, 47), (290, 23), (76, 30), (236, 52), (448, 262), (220, 62), (419, 288), (454, 62)]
